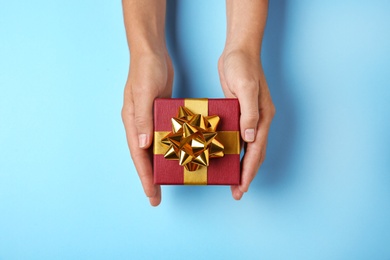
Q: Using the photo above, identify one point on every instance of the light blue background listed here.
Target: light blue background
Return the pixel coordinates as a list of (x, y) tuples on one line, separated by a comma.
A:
[(68, 189)]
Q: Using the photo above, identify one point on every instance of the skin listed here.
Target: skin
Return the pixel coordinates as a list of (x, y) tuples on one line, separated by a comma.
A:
[(151, 76)]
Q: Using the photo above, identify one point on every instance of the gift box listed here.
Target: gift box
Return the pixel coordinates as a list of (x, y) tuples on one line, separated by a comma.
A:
[(196, 142)]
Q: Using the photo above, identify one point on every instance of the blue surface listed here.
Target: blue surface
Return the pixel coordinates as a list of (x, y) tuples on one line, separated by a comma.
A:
[(68, 189)]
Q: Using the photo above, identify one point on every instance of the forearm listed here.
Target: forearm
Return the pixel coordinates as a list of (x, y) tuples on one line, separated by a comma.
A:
[(145, 23), (246, 21)]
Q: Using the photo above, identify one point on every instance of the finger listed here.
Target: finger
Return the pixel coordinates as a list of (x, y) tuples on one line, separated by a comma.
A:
[(250, 164), (248, 97), (142, 159), (143, 164), (156, 199), (143, 98), (255, 154), (236, 193)]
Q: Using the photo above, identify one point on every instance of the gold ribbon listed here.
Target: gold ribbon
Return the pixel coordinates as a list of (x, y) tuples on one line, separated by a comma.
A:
[(193, 140)]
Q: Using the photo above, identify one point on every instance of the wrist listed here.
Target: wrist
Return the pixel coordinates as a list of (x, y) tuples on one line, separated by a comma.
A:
[(149, 51), (245, 25), (156, 59), (145, 26), (252, 52), (243, 43), (147, 44)]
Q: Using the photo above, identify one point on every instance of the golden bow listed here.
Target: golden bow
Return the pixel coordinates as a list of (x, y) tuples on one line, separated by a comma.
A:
[(192, 140)]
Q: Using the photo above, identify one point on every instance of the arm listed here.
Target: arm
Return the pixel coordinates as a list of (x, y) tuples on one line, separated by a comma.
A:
[(150, 76), (242, 76)]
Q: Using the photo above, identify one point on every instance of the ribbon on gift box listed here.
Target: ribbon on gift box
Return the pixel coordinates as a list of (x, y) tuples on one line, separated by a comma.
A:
[(194, 140)]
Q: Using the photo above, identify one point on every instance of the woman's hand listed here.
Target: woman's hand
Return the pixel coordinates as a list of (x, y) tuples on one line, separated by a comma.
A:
[(150, 77), (242, 77)]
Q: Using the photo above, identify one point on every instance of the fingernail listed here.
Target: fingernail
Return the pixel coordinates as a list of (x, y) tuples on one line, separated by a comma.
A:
[(242, 189), (142, 140), (250, 135)]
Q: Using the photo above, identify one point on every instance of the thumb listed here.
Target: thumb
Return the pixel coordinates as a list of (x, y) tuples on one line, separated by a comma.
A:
[(249, 106), (143, 118)]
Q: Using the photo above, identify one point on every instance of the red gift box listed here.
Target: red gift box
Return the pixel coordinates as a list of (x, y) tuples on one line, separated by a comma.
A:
[(202, 169)]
